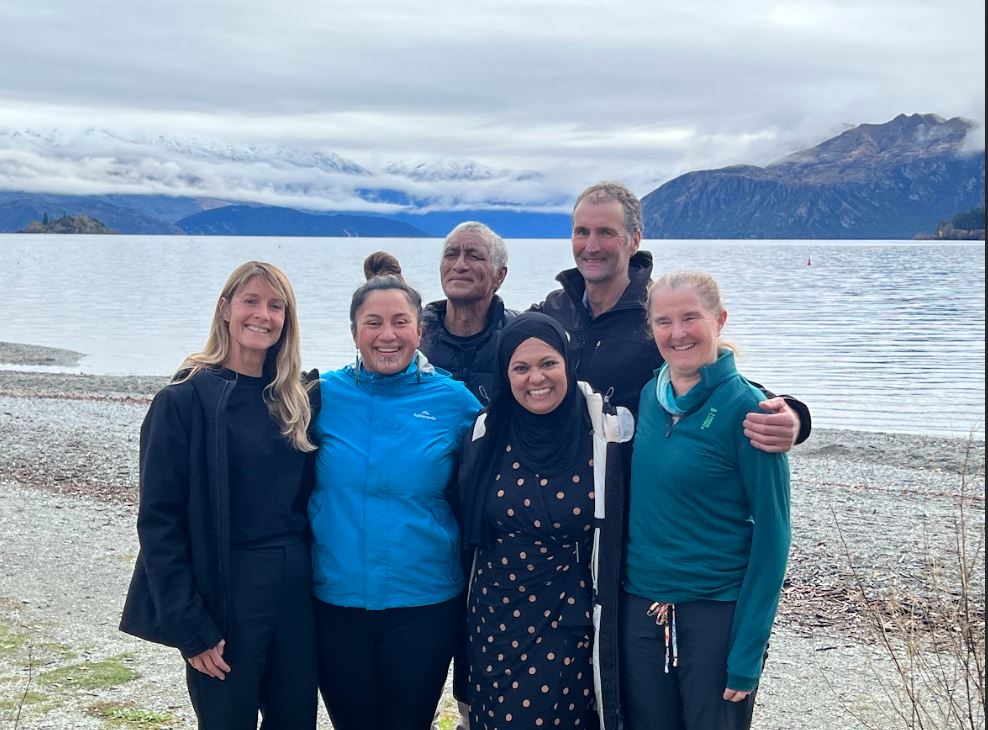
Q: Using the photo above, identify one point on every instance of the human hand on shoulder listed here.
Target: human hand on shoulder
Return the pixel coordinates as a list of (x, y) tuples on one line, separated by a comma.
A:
[(775, 430)]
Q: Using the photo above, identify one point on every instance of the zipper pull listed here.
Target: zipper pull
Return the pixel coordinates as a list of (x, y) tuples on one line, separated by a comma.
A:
[(673, 420)]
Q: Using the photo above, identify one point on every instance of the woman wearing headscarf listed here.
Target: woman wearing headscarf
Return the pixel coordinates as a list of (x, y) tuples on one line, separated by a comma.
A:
[(542, 502)]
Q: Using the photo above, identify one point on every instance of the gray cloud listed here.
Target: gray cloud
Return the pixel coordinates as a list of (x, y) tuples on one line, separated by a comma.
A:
[(634, 90)]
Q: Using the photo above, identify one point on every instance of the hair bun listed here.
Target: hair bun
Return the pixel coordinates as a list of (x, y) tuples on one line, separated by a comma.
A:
[(381, 263)]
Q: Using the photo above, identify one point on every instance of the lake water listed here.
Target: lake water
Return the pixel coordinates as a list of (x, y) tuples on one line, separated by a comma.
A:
[(884, 336)]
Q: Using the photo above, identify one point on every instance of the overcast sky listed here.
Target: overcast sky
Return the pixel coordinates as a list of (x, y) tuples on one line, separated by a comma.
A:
[(636, 90)]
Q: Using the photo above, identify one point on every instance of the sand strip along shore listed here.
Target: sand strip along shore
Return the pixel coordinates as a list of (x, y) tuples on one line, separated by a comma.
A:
[(68, 476)]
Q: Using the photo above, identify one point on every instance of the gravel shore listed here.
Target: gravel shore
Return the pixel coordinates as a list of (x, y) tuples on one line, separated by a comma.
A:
[(68, 476)]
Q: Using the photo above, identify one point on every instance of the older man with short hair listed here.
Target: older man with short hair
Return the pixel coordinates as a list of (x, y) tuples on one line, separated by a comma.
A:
[(459, 333)]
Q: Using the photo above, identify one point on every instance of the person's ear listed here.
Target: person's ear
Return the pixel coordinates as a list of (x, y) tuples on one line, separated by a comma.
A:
[(499, 277)]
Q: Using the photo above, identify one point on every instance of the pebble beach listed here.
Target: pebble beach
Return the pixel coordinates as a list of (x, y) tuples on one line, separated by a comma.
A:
[(869, 510)]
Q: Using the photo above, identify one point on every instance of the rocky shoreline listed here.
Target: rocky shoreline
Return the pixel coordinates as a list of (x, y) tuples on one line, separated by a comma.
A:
[(882, 503)]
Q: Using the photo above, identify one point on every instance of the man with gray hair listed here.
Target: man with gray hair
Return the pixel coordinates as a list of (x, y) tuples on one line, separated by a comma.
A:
[(459, 333)]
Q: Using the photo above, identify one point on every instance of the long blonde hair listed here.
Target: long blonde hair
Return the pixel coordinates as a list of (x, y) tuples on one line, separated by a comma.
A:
[(285, 396)]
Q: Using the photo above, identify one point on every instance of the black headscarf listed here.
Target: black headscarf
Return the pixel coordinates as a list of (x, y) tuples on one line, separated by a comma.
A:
[(547, 443)]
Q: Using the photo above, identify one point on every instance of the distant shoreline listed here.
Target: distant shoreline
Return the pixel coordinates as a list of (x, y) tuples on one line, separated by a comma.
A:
[(16, 353)]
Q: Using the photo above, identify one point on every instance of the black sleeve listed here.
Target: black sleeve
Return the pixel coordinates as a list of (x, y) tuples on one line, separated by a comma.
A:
[(802, 410), (805, 422), (162, 525), (310, 381)]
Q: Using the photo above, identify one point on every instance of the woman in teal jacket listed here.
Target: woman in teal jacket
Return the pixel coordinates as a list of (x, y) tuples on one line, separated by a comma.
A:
[(386, 556), (708, 527)]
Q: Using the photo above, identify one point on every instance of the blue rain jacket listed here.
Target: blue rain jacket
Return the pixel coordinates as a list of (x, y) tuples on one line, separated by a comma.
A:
[(384, 532)]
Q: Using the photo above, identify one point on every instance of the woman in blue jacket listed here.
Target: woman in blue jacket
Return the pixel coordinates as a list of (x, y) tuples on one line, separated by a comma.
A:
[(224, 570), (708, 527), (386, 556)]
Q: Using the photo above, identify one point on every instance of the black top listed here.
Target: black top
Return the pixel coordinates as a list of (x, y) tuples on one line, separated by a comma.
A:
[(267, 505), (468, 359), (179, 593), (613, 351), (530, 608)]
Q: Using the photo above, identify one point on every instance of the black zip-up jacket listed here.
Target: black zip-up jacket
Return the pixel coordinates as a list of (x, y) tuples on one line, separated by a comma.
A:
[(179, 592), (475, 365), (615, 351)]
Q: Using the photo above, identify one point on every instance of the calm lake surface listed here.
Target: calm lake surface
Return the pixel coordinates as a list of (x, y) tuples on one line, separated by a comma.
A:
[(882, 336)]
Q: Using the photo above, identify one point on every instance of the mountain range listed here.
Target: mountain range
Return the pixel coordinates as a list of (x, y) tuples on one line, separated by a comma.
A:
[(874, 181)]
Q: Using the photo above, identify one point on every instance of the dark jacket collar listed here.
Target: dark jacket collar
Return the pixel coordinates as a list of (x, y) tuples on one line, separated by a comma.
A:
[(639, 272), (434, 316)]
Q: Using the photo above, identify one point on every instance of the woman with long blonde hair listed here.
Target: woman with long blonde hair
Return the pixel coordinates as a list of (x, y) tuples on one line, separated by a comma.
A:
[(224, 571)]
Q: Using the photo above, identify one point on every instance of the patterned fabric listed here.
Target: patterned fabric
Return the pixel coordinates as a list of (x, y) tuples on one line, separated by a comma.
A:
[(529, 616)]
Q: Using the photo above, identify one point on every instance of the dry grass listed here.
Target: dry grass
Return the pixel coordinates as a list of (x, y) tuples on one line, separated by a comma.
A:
[(932, 628)]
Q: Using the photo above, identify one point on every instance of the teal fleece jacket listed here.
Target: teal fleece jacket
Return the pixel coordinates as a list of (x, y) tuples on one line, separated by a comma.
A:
[(383, 528), (709, 513)]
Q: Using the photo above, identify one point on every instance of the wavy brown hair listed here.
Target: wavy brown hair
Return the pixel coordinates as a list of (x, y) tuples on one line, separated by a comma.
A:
[(285, 396)]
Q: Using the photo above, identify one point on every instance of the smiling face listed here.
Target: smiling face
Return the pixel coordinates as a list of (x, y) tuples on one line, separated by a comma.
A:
[(685, 331), (602, 246), (466, 271), (537, 375), (255, 316), (386, 331)]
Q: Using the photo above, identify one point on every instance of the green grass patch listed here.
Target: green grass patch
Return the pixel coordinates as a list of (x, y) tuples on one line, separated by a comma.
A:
[(54, 650), (25, 644), (88, 675), (127, 714), (28, 698), (10, 641)]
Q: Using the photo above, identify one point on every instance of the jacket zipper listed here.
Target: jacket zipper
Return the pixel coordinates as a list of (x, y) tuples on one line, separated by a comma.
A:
[(673, 420)]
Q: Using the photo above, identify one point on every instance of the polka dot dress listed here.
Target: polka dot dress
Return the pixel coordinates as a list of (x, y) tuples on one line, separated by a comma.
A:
[(529, 617)]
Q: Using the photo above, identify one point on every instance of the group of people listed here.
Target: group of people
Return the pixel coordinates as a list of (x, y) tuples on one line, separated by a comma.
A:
[(585, 504)]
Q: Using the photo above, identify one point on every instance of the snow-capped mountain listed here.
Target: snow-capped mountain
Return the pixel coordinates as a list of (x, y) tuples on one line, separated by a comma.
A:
[(449, 169)]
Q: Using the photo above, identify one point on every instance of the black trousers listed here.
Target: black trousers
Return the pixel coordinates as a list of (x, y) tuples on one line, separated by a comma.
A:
[(270, 646), (690, 695), (385, 670)]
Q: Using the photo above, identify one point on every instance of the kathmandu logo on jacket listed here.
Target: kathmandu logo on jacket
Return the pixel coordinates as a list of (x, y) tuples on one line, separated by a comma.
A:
[(426, 415), (711, 415)]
